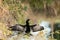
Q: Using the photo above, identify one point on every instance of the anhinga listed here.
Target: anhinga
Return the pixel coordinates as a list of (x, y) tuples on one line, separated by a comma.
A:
[(20, 27)]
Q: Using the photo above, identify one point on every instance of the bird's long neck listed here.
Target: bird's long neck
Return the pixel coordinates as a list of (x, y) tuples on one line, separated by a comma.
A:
[(27, 22)]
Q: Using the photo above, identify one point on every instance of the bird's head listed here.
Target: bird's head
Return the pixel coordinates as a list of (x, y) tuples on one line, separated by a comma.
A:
[(27, 21)]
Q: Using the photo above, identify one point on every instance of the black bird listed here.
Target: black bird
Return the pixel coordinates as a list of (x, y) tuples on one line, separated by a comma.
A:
[(20, 27), (28, 27)]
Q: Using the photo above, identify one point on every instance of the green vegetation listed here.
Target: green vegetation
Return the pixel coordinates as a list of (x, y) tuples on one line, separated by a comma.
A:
[(15, 9), (38, 4)]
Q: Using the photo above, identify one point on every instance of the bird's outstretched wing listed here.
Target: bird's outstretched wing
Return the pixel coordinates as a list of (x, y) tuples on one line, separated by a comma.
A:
[(17, 27), (37, 28)]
